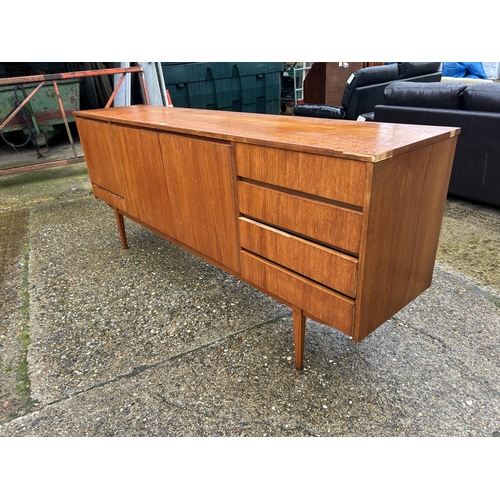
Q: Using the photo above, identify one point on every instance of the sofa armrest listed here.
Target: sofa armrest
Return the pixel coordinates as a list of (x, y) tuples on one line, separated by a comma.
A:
[(364, 100), (318, 111), (366, 117)]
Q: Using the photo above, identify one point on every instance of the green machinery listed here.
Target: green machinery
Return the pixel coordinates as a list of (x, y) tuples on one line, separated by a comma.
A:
[(41, 117)]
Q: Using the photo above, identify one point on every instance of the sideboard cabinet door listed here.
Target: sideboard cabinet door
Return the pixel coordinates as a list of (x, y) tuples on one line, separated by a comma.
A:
[(200, 179), (143, 177), (101, 156)]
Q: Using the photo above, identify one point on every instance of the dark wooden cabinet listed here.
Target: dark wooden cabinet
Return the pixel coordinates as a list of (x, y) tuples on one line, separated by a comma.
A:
[(337, 219), (325, 82)]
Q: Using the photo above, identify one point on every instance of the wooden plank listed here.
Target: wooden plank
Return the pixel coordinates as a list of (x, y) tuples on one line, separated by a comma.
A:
[(109, 197)]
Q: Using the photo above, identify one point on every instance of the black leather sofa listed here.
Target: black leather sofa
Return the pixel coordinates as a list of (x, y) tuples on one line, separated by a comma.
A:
[(475, 109), (365, 89)]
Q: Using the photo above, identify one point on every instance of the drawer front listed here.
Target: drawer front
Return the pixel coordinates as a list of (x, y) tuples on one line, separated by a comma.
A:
[(328, 267), (325, 176), (110, 198), (315, 300), (324, 222)]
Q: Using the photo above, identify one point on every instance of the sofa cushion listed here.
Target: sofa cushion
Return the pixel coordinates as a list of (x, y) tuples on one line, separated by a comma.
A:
[(442, 95), (368, 76), (411, 69), (482, 97), (318, 111)]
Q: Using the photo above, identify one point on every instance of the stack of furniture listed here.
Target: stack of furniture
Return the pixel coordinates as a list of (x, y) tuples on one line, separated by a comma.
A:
[(363, 89)]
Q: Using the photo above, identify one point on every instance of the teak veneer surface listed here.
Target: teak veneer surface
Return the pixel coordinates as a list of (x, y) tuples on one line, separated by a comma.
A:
[(343, 138), (339, 220), (334, 269)]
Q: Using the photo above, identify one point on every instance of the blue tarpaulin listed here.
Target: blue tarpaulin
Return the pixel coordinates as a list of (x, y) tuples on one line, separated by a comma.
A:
[(464, 70)]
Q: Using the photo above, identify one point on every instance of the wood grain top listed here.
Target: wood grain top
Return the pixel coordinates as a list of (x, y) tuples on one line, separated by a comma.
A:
[(368, 141)]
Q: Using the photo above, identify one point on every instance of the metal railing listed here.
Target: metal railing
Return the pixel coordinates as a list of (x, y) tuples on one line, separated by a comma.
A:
[(58, 77)]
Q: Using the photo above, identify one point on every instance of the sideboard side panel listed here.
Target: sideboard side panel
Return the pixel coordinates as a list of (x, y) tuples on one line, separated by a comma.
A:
[(406, 206)]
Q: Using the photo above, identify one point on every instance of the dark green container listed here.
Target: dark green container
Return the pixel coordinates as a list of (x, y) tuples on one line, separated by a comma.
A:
[(252, 87)]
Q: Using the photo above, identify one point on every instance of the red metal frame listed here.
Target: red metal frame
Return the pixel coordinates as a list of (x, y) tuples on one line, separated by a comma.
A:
[(54, 78)]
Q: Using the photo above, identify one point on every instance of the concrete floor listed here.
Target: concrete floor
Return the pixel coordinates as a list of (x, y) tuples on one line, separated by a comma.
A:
[(151, 341), (98, 341)]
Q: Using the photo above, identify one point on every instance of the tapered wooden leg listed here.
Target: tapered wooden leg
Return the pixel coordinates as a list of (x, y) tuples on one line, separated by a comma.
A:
[(299, 331), (121, 227)]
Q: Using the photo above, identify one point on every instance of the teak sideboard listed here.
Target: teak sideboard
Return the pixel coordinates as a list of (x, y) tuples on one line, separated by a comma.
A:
[(339, 220)]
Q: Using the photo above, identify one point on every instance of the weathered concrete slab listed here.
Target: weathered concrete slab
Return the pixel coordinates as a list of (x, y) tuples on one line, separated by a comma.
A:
[(152, 341)]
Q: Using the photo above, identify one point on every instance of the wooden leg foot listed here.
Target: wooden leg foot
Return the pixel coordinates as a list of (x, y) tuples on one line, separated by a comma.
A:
[(299, 330), (121, 227)]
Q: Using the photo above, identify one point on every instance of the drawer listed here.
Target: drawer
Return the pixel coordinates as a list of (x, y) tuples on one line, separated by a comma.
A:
[(109, 197), (315, 300), (328, 267), (337, 179), (324, 222)]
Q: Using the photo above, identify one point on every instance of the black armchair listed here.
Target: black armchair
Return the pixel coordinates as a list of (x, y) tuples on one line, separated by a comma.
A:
[(365, 89)]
